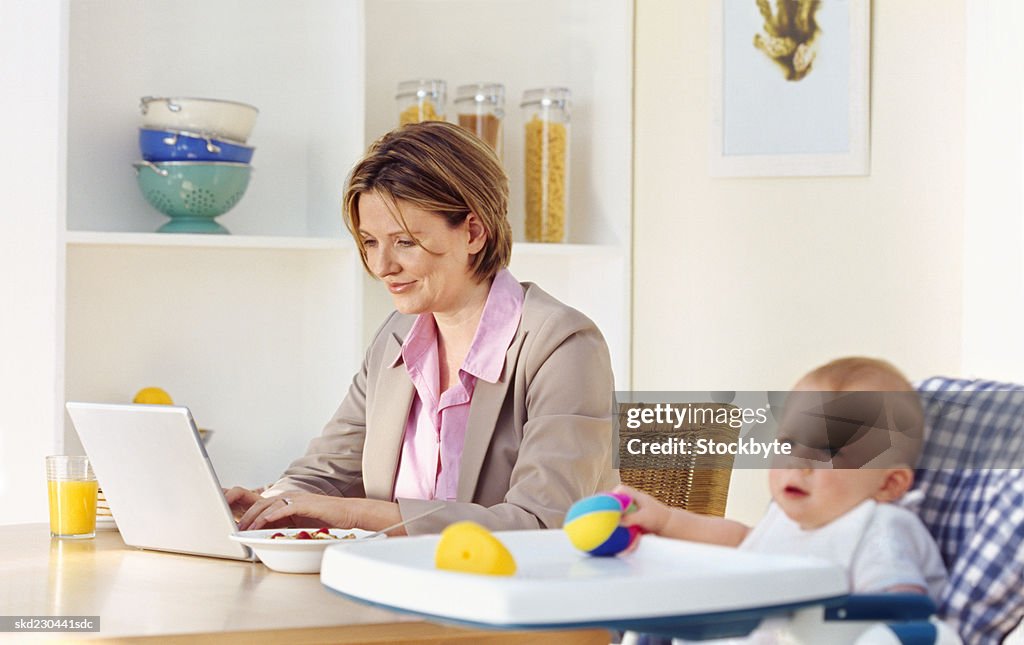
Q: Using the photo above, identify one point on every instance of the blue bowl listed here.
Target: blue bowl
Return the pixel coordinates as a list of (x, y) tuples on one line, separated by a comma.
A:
[(177, 145)]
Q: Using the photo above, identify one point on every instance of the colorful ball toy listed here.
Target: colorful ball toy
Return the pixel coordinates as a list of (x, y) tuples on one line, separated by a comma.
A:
[(592, 524)]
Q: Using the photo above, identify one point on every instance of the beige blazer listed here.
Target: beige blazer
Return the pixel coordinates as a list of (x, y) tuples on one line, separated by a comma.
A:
[(538, 440)]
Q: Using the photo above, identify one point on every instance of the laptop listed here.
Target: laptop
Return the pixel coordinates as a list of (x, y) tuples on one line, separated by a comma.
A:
[(157, 478)]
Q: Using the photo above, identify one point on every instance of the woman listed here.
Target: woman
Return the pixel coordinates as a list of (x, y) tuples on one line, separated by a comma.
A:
[(479, 394)]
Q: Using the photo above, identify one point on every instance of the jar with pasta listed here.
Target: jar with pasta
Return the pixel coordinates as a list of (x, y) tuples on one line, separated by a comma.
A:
[(481, 108), (546, 152), (421, 100)]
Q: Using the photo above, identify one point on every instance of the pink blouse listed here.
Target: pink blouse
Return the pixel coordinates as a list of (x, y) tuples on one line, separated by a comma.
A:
[(436, 430)]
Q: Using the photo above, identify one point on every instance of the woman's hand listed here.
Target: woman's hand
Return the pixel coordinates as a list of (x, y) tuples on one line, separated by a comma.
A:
[(308, 509), (258, 510), (241, 499)]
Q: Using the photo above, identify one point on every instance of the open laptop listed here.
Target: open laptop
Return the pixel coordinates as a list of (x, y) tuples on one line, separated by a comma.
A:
[(157, 478)]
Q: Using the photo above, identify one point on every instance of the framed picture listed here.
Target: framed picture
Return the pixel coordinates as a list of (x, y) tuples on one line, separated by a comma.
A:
[(790, 87)]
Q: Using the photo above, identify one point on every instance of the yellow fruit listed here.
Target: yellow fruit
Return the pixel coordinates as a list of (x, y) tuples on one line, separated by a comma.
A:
[(153, 396), (470, 548)]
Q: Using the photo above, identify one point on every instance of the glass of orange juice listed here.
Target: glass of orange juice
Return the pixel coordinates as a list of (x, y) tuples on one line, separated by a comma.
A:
[(72, 490)]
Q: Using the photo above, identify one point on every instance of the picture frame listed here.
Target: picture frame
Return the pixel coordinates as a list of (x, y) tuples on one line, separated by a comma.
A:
[(790, 88)]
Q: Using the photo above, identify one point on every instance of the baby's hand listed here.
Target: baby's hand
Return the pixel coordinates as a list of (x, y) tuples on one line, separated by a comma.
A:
[(650, 514)]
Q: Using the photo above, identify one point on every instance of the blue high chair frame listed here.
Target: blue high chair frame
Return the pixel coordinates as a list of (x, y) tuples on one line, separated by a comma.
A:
[(908, 618)]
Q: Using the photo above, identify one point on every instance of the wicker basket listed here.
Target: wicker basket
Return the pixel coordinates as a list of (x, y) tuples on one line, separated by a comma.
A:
[(699, 483), (102, 506)]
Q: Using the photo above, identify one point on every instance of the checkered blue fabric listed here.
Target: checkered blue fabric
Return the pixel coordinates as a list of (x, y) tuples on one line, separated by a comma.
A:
[(972, 500)]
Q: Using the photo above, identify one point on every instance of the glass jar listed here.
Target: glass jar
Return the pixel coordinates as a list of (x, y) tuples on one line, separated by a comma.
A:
[(421, 100), (546, 152), (480, 108)]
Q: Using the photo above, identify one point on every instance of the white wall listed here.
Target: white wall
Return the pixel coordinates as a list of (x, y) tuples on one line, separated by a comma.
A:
[(748, 283), (31, 257), (994, 237)]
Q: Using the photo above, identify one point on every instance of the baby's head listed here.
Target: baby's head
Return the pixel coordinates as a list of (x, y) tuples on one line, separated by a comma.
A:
[(855, 426)]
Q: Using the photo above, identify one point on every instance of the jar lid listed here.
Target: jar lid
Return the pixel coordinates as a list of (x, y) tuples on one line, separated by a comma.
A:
[(547, 97), (481, 93), (421, 88)]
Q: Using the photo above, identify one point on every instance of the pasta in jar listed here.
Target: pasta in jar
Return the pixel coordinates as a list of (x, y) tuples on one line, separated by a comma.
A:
[(421, 100), (546, 153)]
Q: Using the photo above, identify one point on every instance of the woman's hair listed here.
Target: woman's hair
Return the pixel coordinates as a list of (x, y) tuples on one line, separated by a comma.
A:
[(441, 168)]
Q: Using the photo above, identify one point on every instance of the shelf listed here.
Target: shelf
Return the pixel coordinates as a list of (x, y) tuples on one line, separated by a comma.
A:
[(306, 81), (98, 238), (258, 340), (522, 44), (565, 250), (93, 238)]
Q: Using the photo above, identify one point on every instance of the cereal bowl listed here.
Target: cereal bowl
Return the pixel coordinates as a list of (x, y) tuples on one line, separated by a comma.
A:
[(292, 555)]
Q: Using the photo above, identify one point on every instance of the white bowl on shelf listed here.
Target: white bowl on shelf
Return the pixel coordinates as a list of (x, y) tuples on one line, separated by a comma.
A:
[(297, 556), (228, 119)]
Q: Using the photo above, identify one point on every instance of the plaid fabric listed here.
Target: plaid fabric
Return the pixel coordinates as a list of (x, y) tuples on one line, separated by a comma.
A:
[(972, 500)]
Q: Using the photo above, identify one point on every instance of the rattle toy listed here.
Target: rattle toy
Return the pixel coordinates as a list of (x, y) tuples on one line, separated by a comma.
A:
[(592, 524), (470, 548)]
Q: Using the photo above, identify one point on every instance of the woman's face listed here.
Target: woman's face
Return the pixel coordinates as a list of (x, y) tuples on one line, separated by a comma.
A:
[(420, 281)]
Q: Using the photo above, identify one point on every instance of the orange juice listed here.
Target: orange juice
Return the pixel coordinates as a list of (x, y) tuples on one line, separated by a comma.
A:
[(72, 507)]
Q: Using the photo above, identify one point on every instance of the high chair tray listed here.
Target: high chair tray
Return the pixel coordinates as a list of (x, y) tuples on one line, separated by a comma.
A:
[(663, 585)]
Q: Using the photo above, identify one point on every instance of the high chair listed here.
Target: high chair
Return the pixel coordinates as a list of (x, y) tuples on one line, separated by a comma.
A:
[(969, 492)]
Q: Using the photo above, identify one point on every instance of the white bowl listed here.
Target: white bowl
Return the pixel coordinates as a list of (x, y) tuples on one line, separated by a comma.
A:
[(227, 119), (295, 556)]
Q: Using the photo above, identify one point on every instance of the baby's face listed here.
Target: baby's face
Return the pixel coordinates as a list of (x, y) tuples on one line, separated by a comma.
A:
[(827, 476), (813, 497)]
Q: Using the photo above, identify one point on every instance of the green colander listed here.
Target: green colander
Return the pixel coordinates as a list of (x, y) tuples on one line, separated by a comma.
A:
[(192, 193)]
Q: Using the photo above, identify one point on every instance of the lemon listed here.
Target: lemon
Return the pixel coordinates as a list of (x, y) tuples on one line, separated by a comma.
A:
[(470, 548), (153, 396)]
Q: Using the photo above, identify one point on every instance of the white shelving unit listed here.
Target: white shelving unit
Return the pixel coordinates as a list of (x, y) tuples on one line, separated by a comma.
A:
[(259, 342), (299, 61), (268, 242), (260, 332)]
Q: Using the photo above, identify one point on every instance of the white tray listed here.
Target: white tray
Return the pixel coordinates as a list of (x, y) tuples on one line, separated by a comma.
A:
[(556, 586)]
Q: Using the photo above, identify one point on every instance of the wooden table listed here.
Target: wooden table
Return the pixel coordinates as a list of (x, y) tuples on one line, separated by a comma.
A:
[(163, 597)]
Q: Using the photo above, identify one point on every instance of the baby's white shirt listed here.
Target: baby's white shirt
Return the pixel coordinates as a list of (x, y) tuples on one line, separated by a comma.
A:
[(878, 545)]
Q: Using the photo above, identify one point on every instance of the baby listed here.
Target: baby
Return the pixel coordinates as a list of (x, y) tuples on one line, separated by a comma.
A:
[(852, 454)]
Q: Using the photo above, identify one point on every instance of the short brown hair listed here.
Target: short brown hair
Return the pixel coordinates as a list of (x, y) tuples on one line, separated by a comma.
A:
[(442, 168), (859, 373)]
